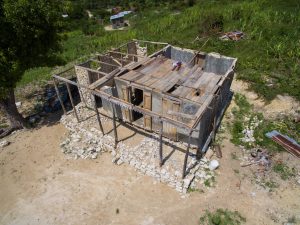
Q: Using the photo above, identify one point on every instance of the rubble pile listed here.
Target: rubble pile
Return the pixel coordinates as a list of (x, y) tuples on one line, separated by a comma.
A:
[(86, 141), (248, 132)]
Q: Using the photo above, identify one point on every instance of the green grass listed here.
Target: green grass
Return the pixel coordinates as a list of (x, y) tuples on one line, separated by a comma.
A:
[(268, 58), (35, 74), (222, 217), (244, 115), (190, 190), (284, 171)]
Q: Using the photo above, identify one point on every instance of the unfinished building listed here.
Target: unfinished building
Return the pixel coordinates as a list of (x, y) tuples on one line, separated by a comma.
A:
[(178, 93)]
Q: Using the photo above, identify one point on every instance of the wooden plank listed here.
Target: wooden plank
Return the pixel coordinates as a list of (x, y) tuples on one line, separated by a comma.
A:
[(193, 78), (169, 130), (104, 79), (116, 100), (188, 74), (147, 105), (179, 114), (126, 112), (151, 67)]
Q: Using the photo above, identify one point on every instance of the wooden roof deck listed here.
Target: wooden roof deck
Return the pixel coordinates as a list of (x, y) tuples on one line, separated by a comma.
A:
[(191, 83)]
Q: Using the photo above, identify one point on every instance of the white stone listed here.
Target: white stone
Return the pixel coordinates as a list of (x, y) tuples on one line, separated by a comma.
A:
[(18, 104), (214, 164), (4, 143)]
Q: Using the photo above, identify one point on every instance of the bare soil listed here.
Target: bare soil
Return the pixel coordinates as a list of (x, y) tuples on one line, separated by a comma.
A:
[(282, 104), (39, 185)]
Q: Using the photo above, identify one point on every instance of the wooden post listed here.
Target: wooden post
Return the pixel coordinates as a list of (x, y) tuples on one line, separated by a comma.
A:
[(160, 144), (186, 155), (58, 96), (98, 115), (115, 126), (71, 99)]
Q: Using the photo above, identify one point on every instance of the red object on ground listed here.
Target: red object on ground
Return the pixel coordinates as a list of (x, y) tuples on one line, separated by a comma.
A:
[(287, 144)]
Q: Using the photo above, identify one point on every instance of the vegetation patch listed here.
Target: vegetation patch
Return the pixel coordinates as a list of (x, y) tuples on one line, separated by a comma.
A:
[(268, 56), (222, 217), (249, 128), (190, 190), (284, 171)]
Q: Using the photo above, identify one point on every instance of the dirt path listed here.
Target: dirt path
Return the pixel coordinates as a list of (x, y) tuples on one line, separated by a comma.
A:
[(39, 185)]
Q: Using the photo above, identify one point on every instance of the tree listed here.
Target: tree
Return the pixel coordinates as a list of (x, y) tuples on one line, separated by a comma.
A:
[(29, 37)]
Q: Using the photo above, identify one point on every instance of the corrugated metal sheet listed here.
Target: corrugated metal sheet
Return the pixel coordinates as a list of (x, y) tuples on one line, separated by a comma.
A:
[(288, 143)]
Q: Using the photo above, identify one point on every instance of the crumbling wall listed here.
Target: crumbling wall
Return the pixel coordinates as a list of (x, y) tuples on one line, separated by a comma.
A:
[(140, 50), (107, 60), (83, 78)]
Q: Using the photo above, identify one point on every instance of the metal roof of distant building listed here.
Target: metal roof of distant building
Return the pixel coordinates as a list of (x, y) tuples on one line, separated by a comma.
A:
[(119, 15)]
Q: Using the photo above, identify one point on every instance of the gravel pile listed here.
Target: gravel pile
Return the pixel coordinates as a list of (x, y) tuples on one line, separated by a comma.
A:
[(86, 141)]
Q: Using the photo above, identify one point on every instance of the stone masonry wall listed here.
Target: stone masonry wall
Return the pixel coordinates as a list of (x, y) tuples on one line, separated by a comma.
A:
[(83, 78)]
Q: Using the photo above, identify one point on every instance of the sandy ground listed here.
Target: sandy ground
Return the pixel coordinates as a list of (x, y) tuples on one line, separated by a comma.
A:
[(282, 104), (39, 185)]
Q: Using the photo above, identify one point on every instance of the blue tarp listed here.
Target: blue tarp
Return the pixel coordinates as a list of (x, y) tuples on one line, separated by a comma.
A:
[(119, 15)]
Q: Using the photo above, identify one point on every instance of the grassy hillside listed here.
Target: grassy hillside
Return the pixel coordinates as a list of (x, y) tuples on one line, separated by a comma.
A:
[(269, 57)]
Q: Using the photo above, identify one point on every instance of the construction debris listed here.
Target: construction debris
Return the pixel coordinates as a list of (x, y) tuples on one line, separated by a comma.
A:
[(214, 164), (258, 157), (86, 141), (286, 142), (233, 35), (251, 124)]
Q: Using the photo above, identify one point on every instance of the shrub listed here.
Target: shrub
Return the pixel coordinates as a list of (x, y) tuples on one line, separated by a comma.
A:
[(222, 217)]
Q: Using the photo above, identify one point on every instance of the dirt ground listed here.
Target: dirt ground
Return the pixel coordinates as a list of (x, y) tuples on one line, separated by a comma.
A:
[(39, 185), (282, 104)]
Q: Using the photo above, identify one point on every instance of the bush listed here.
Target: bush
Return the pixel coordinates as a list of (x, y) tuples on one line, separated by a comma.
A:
[(222, 217), (91, 27)]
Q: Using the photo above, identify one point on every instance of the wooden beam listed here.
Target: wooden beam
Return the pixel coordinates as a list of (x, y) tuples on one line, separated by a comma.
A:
[(92, 70), (121, 53), (186, 155), (110, 57), (183, 115), (58, 96), (98, 114), (94, 60), (115, 126), (151, 42), (118, 101), (71, 100)]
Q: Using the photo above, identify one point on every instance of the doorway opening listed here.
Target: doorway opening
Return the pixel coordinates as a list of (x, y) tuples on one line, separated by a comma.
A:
[(137, 99)]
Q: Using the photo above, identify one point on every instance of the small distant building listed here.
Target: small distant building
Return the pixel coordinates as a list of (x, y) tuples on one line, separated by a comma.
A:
[(117, 20)]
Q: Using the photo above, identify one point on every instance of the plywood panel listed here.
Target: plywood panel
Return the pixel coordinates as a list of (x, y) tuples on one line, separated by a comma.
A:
[(126, 112), (169, 130), (147, 105)]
